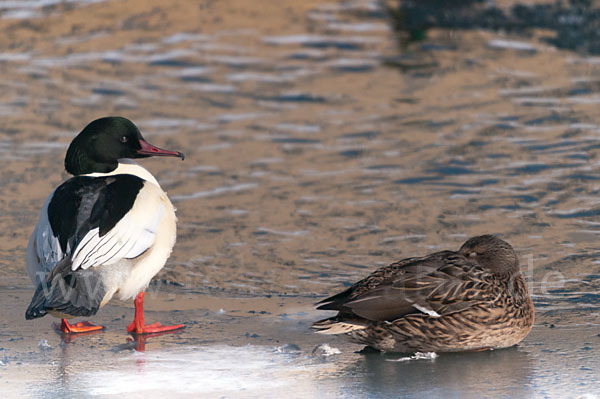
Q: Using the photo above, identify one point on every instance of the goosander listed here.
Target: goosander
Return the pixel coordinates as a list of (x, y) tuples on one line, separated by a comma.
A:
[(106, 231), (471, 300)]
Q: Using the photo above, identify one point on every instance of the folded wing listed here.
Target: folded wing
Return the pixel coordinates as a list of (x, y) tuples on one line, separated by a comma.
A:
[(95, 221), (436, 285)]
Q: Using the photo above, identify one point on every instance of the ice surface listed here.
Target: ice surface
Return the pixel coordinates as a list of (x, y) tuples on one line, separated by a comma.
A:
[(221, 370), (44, 345), (325, 350)]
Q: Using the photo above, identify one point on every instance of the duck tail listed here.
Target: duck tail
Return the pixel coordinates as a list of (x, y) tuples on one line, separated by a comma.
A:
[(67, 292), (334, 325), (37, 306)]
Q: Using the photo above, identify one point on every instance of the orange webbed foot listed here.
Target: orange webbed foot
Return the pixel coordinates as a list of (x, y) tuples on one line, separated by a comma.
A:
[(152, 328), (138, 326), (78, 328)]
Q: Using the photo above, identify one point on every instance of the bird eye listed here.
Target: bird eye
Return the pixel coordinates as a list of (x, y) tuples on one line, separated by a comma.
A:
[(472, 254), (123, 139)]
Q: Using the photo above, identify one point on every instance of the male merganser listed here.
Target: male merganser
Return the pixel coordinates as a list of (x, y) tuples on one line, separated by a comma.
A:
[(470, 300), (106, 231)]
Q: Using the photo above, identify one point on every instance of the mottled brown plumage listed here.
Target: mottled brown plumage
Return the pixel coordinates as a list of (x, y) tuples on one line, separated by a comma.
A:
[(472, 299)]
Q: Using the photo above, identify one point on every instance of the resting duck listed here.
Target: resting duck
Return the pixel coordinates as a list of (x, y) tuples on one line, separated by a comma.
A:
[(470, 300), (106, 231)]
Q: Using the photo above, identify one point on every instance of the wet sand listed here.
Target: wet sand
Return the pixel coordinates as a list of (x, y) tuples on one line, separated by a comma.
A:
[(317, 149)]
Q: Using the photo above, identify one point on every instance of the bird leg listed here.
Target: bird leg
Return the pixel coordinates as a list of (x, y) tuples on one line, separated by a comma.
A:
[(138, 325), (77, 328)]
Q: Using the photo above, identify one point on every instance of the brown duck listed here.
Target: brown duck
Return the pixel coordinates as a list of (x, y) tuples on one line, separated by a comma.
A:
[(473, 299)]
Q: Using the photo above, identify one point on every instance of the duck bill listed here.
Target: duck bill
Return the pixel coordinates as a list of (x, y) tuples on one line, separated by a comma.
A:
[(149, 150)]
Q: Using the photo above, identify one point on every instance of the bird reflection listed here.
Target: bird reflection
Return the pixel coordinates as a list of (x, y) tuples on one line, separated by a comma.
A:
[(506, 372), (138, 341), (69, 338)]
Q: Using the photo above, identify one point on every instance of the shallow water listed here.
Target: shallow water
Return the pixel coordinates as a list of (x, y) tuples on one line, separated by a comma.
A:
[(320, 144)]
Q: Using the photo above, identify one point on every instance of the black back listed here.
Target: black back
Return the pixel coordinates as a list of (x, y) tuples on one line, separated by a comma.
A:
[(83, 203)]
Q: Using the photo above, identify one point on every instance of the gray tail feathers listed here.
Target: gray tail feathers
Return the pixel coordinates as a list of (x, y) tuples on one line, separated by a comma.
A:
[(75, 293)]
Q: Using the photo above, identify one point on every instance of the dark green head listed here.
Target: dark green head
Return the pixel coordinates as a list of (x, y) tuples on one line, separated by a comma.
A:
[(491, 253), (104, 141)]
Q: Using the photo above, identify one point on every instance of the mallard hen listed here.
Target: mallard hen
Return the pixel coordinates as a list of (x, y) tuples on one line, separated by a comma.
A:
[(472, 299)]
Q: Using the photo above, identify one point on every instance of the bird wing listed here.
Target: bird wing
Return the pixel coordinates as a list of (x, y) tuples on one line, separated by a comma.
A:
[(96, 221), (133, 235), (435, 285)]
